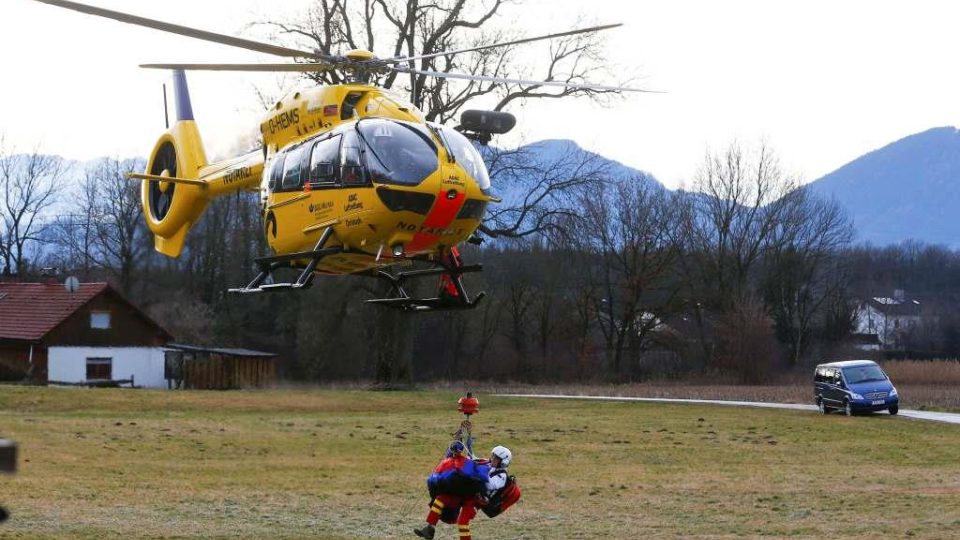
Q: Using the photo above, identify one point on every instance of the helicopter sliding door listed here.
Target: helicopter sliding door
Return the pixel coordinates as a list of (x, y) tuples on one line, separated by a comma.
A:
[(287, 208)]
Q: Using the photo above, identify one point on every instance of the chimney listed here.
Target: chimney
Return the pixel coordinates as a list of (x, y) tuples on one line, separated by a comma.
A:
[(898, 295)]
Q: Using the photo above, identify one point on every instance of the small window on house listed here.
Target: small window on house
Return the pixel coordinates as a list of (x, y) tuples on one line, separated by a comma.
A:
[(99, 369), (100, 320)]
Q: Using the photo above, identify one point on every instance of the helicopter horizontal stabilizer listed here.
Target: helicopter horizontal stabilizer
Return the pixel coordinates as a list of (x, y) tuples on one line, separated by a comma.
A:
[(171, 179)]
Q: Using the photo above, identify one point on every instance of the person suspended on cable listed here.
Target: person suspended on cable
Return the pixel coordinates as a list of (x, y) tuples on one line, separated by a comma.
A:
[(459, 484)]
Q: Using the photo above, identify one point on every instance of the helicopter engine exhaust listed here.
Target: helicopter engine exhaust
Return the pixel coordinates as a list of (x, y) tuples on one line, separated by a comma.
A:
[(171, 208)]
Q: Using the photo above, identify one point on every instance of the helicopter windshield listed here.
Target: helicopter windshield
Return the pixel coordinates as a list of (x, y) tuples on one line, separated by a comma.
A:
[(467, 156), (399, 153)]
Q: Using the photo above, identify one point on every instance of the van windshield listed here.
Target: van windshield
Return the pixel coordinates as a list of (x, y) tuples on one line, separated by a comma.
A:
[(861, 374)]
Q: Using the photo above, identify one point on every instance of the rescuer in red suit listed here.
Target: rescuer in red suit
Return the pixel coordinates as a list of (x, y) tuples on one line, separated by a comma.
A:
[(458, 484)]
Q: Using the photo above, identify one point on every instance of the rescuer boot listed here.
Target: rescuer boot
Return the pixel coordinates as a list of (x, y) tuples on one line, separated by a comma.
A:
[(426, 532)]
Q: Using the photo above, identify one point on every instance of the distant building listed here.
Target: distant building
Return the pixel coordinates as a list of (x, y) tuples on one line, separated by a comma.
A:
[(94, 334), (890, 319)]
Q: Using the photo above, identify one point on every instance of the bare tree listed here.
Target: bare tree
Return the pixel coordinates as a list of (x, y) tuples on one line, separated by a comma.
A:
[(628, 227), (802, 268), (120, 228), (75, 233), (406, 28), (28, 187), (742, 208), (540, 190), (105, 229)]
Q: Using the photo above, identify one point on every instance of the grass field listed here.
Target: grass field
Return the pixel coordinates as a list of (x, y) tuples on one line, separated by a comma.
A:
[(351, 464)]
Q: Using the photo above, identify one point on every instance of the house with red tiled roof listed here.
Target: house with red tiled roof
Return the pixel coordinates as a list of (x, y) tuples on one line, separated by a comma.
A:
[(48, 334)]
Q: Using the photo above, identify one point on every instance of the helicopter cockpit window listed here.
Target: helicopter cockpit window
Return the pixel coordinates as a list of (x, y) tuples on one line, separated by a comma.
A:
[(467, 156), (398, 153), (324, 161), (292, 166)]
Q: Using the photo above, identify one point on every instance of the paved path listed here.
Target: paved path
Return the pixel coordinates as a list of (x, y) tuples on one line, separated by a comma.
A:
[(950, 418)]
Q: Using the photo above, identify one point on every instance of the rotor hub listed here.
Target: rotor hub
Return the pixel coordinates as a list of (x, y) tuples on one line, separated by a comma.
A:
[(360, 55), (161, 185)]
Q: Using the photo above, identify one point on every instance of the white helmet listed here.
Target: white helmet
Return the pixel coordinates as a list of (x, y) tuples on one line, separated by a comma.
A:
[(504, 454)]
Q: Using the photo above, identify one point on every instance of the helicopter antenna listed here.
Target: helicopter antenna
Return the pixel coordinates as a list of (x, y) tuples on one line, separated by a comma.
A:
[(166, 113)]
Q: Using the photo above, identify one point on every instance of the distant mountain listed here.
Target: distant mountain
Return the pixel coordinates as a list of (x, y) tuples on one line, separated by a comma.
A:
[(559, 158), (909, 189)]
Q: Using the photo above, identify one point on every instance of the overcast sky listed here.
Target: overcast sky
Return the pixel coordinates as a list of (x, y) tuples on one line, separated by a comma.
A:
[(823, 82)]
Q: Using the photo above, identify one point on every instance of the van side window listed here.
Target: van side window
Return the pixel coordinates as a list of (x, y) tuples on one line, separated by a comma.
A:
[(292, 168), (324, 161)]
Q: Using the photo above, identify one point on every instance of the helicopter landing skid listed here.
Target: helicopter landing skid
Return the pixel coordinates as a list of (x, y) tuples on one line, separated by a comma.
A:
[(269, 264), (404, 302)]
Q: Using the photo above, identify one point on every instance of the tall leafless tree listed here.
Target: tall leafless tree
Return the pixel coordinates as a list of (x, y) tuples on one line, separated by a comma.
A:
[(743, 206), (406, 28), (802, 272), (628, 227), (28, 189)]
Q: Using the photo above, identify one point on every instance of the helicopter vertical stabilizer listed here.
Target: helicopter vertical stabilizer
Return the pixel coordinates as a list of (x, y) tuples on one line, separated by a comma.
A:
[(172, 207)]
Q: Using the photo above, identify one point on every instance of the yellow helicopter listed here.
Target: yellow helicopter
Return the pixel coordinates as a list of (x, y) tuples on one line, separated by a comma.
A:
[(352, 179)]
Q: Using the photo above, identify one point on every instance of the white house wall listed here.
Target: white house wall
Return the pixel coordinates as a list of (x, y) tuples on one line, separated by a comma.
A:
[(144, 364)]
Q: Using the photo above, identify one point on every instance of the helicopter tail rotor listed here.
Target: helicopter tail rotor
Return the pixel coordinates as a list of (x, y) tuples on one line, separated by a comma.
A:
[(172, 206)]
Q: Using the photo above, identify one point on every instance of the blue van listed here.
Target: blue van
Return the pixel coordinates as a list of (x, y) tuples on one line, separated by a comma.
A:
[(854, 386)]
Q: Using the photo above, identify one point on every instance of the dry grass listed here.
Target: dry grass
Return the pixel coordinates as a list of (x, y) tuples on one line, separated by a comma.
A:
[(924, 372), (925, 385), (350, 464)]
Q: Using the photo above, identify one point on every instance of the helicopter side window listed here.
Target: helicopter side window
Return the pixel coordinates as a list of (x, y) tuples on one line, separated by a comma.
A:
[(467, 156), (276, 173), (292, 168), (323, 161), (351, 166)]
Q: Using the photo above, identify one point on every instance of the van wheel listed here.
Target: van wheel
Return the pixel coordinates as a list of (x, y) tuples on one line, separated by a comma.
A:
[(847, 408), (821, 407), (894, 410)]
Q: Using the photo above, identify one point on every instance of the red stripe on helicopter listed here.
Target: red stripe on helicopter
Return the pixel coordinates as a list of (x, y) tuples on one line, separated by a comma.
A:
[(442, 214)]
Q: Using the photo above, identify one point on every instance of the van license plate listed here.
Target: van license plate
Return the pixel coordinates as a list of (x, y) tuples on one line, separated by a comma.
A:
[(878, 402)]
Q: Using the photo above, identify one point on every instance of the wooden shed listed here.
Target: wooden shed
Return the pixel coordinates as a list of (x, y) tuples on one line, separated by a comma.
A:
[(209, 368)]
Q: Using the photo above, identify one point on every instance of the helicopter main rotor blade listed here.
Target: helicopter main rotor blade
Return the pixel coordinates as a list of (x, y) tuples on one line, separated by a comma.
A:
[(584, 86), (181, 30), (304, 67), (502, 44)]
